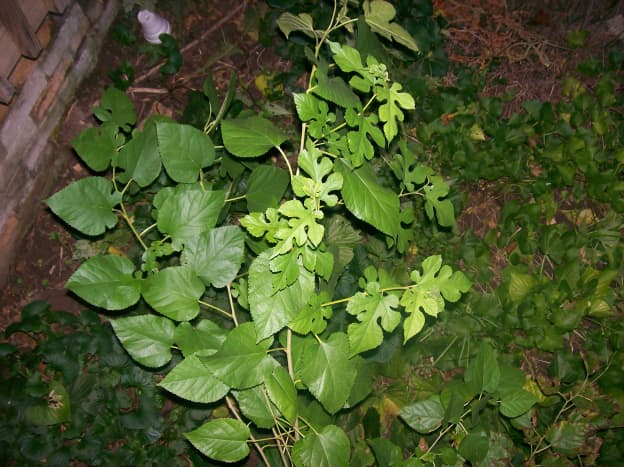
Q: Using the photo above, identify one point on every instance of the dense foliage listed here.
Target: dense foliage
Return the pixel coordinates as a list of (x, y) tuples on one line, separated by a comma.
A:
[(77, 397), (291, 269)]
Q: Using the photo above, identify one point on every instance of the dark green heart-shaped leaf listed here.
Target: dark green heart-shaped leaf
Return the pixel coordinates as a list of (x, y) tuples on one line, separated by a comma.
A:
[(107, 282), (367, 200), (186, 214), (87, 205), (328, 372), (147, 338), (223, 440), (191, 380), (203, 339), (516, 403), (216, 256), (139, 158), (251, 136), (174, 292), (241, 363), (329, 447), (424, 416), (255, 406), (474, 447), (270, 309), (267, 185), (97, 146), (282, 392), (184, 150)]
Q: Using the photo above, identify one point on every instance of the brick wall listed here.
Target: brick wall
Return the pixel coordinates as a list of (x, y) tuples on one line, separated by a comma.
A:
[(29, 161)]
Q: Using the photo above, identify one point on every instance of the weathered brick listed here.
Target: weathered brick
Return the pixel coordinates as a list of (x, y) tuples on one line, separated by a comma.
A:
[(16, 133), (8, 236), (68, 39), (56, 81), (13, 175), (29, 94)]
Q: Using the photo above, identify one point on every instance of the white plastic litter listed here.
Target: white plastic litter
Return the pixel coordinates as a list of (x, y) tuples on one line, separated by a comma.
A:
[(153, 26)]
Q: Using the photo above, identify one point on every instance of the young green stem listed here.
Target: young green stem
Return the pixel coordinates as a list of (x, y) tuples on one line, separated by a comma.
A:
[(234, 410), (217, 309), (283, 154), (291, 371), (232, 308)]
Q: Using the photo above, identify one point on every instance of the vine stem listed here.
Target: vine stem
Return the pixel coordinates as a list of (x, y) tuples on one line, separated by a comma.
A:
[(291, 372), (216, 308), (147, 229), (126, 218), (234, 410), (280, 448), (232, 309), (236, 198), (442, 433), (290, 170), (124, 212), (389, 289)]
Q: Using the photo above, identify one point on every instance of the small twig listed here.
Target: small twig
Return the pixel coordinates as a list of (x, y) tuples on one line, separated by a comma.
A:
[(149, 90), (192, 44)]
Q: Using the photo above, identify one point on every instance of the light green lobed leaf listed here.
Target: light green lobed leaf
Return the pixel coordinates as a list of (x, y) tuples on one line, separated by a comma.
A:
[(429, 291), (302, 226), (391, 112), (434, 194), (115, 106), (315, 112), (375, 311), (313, 317), (323, 180), (359, 144)]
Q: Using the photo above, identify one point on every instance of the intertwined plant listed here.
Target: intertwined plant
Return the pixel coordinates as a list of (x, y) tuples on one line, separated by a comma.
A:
[(291, 353)]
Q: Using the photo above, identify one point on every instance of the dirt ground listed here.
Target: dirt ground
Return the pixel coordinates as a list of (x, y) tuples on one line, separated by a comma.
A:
[(527, 40)]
